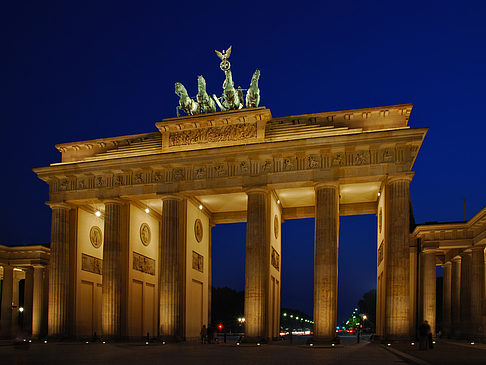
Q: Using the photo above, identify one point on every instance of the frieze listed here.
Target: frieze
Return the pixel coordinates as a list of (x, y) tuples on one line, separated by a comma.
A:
[(143, 264), (91, 264), (234, 132), (221, 169)]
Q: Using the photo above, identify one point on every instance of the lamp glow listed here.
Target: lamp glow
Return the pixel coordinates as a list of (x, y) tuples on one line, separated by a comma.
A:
[(98, 213), (200, 207), (147, 210)]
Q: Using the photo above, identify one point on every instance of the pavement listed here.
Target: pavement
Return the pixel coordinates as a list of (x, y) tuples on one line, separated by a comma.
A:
[(281, 353)]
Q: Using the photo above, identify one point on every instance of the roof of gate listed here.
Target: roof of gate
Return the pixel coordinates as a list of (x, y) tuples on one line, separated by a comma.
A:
[(238, 127)]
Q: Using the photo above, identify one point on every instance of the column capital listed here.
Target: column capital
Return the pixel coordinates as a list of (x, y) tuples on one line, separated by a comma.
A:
[(401, 177), (113, 201), (178, 197), (479, 246), (326, 184), (257, 189)]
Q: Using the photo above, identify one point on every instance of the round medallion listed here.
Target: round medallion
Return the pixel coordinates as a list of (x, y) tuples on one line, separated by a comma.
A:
[(276, 225), (95, 236), (380, 220), (145, 234), (198, 230)]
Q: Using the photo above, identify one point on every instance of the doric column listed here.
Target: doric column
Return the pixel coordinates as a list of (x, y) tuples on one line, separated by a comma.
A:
[(256, 264), (115, 232), (28, 299), (477, 290), (397, 260), (6, 311), (446, 298), (38, 304), (466, 276), (456, 296), (58, 318), (326, 261), (427, 285), (172, 249)]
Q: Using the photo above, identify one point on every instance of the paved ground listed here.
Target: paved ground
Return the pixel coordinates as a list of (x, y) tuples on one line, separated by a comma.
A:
[(277, 353)]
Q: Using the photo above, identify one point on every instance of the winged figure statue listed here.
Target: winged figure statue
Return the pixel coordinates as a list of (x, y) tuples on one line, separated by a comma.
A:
[(225, 54)]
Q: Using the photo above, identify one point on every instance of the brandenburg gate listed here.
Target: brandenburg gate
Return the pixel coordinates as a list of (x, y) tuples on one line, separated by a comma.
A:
[(132, 218)]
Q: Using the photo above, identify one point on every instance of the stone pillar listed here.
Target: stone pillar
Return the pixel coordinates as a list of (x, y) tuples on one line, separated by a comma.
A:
[(446, 299), (113, 266), (38, 306), (326, 261), (456, 297), (257, 265), (7, 294), (466, 276), (477, 290), (428, 290), (58, 318), (397, 260), (171, 268), (28, 299)]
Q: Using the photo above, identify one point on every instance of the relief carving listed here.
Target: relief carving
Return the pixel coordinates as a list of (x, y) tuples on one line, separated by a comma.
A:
[(145, 234), (63, 185), (213, 134), (96, 236), (118, 180), (143, 264), (178, 174), (288, 164), (361, 158), (220, 171), (197, 261), (387, 155), (380, 253), (267, 166), (139, 178), (275, 259), (244, 167), (198, 230), (100, 181), (157, 177), (91, 264), (200, 172), (313, 162), (338, 159)]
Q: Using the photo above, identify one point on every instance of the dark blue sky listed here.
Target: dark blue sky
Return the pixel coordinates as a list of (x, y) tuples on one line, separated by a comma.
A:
[(81, 70)]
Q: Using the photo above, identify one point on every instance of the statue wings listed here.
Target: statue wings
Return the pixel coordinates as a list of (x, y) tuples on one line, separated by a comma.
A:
[(225, 54)]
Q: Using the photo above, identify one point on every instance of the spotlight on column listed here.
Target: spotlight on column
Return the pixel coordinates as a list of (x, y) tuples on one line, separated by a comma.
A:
[(433, 342), (472, 343), (278, 201), (146, 342), (379, 194), (332, 344), (388, 344), (45, 341), (200, 207), (147, 210), (21, 309), (258, 343), (413, 344), (237, 344), (98, 213), (163, 342), (86, 342), (104, 342), (311, 344)]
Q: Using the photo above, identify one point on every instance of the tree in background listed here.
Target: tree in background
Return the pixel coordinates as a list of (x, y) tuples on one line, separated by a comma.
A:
[(367, 306)]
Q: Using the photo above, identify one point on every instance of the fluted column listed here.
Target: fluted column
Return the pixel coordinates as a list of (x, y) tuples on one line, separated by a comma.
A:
[(28, 299), (7, 293), (172, 268), (38, 304), (114, 240), (326, 261), (446, 299), (256, 264), (58, 318), (427, 285), (477, 290), (397, 260), (466, 276), (456, 297)]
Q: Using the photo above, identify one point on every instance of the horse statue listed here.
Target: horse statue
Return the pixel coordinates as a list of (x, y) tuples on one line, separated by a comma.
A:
[(185, 103), (253, 93), (206, 103), (231, 96)]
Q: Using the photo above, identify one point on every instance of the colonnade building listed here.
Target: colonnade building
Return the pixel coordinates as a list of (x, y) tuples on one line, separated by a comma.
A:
[(130, 247)]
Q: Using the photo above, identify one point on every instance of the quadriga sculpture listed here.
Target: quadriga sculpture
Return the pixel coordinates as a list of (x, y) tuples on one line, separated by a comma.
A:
[(231, 97), (206, 103), (185, 102), (253, 93)]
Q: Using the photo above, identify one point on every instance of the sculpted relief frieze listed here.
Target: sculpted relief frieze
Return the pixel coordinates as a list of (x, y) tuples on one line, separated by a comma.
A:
[(233, 132), (221, 168)]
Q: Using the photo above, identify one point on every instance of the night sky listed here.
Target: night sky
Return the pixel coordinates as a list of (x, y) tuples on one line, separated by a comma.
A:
[(73, 71)]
